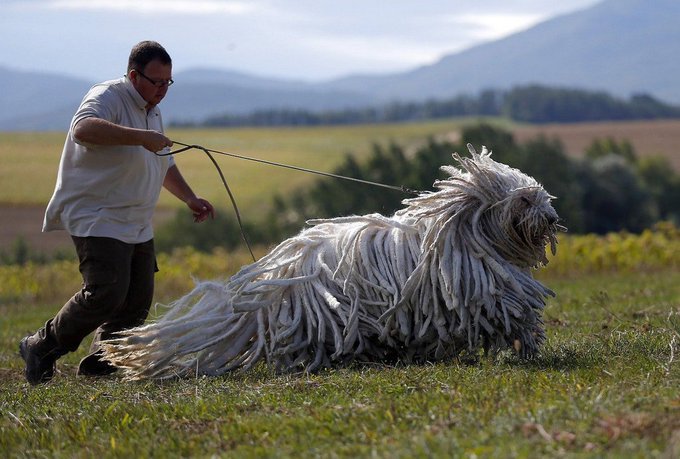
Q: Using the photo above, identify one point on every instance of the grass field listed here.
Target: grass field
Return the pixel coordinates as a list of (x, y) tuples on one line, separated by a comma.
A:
[(606, 384), (29, 163), (30, 160)]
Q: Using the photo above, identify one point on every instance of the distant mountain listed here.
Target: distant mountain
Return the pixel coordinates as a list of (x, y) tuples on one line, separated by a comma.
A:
[(618, 46), (237, 79), (30, 100), (204, 92)]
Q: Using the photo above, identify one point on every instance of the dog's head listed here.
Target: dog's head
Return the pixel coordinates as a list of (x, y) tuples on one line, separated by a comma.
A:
[(518, 218), (504, 210)]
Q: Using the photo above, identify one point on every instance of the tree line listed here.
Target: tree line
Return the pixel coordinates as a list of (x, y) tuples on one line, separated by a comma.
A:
[(609, 189), (531, 103)]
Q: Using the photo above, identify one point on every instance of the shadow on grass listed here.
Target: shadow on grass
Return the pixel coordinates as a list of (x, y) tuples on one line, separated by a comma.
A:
[(559, 356), (562, 358)]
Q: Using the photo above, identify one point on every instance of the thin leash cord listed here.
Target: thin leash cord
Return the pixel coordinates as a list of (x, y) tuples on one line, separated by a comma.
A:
[(207, 151), (402, 188), (226, 186)]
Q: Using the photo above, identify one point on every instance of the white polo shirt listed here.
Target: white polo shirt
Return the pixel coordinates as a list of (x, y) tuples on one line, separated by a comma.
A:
[(109, 191)]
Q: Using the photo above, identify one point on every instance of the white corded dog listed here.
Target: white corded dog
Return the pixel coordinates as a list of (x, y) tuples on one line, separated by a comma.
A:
[(451, 272)]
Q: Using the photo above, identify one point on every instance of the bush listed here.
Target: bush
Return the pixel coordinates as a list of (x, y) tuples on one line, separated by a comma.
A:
[(224, 232)]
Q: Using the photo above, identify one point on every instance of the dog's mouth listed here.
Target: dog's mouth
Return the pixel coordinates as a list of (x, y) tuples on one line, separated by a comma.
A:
[(537, 236), (548, 234), (550, 238)]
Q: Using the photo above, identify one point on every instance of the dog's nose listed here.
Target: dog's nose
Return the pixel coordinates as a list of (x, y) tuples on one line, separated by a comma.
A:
[(552, 220)]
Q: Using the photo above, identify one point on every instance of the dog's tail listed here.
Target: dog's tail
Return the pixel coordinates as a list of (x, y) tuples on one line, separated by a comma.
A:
[(201, 334)]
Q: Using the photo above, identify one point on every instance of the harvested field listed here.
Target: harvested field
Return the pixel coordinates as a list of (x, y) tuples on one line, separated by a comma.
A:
[(26, 222), (649, 138)]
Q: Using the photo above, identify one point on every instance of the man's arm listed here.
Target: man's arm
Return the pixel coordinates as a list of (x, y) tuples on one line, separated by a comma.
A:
[(97, 131), (174, 182)]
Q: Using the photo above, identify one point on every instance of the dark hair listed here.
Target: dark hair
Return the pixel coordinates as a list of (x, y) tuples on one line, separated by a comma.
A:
[(146, 51)]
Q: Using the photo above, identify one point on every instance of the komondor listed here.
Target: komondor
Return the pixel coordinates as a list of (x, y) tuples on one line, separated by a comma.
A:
[(449, 273)]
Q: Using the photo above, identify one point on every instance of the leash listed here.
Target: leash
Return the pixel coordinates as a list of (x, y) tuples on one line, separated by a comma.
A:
[(288, 166), (208, 152), (226, 187)]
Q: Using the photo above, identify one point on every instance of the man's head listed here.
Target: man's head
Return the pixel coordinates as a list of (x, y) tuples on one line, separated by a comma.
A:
[(150, 71)]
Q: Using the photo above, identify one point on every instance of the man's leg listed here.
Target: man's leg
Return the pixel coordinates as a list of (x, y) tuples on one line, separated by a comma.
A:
[(131, 313), (40, 351), (105, 267)]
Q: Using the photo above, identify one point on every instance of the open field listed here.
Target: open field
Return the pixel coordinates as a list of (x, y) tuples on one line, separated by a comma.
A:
[(649, 138), (606, 384), (29, 161)]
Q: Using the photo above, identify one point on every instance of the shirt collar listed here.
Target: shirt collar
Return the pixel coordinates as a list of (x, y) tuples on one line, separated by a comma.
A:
[(136, 97)]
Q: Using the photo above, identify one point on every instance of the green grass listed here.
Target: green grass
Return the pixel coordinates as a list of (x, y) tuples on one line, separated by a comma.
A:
[(606, 385), (30, 160)]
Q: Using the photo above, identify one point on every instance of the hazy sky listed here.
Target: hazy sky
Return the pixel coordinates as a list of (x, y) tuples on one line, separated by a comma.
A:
[(299, 39)]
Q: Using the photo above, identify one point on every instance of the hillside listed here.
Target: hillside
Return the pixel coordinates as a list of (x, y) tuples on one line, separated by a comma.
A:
[(611, 47)]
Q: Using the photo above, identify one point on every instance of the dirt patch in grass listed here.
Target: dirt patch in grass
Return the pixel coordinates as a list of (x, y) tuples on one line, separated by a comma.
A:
[(25, 222), (649, 138)]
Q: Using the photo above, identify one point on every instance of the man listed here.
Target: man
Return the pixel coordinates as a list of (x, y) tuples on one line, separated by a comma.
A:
[(107, 188)]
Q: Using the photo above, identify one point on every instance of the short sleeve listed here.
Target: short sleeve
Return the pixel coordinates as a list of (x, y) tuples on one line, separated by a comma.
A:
[(101, 101)]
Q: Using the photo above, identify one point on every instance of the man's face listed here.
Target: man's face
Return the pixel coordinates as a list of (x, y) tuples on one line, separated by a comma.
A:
[(143, 81)]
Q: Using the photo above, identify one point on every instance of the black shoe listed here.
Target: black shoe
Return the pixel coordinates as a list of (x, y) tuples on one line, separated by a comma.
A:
[(94, 365), (39, 368)]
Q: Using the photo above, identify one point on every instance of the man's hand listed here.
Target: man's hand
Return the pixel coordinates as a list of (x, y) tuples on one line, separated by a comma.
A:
[(201, 209), (175, 184), (155, 141)]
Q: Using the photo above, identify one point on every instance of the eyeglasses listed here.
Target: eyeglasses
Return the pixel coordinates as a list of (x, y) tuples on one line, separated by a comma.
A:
[(156, 83)]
